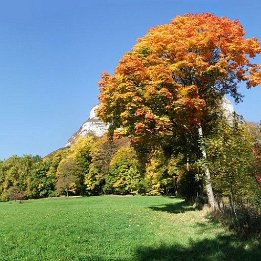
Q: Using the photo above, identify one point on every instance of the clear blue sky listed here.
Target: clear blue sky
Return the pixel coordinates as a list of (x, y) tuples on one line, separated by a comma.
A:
[(52, 53)]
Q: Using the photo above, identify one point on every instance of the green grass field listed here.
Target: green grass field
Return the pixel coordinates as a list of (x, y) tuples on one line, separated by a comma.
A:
[(115, 228)]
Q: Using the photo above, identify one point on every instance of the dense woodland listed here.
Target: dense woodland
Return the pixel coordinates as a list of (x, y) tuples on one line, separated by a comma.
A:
[(168, 131), (95, 166)]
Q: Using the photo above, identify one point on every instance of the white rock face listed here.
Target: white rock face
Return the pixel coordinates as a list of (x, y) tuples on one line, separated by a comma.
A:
[(228, 110), (92, 126), (93, 112)]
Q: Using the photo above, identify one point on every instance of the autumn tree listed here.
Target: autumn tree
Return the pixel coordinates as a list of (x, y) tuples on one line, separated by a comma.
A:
[(174, 78), (67, 178), (53, 160), (26, 175), (73, 168), (101, 154), (38, 183), (124, 176)]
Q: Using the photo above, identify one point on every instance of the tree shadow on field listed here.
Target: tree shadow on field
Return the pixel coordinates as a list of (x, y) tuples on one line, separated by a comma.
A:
[(221, 248), (179, 207)]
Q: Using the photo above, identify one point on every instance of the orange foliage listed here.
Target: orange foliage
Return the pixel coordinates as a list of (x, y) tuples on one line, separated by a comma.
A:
[(163, 83)]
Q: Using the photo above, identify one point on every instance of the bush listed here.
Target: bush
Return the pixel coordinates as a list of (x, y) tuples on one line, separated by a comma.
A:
[(15, 194)]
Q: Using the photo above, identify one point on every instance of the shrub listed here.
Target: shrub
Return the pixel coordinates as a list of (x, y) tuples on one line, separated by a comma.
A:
[(15, 194)]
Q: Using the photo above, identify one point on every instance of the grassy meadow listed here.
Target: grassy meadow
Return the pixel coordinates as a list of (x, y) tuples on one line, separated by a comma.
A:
[(115, 228)]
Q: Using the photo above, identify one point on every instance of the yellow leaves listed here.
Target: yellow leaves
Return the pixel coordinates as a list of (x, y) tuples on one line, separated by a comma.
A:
[(254, 77), (159, 74), (253, 47), (149, 91), (216, 71), (189, 91), (81, 145), (125, 115), (166, 94)]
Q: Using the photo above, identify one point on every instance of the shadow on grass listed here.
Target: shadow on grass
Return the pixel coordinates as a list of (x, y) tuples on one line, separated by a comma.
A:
[(179, 207), (221, 248)]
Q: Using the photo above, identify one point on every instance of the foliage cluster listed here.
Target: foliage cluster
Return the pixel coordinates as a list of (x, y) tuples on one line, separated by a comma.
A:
[(93, 166), (25, 176), (235, 167), (175, 75)]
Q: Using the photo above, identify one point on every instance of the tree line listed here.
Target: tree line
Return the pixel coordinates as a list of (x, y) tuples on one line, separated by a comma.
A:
[(95, 166)]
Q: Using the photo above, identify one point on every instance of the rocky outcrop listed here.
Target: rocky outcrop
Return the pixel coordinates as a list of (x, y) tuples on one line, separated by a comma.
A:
[(228, 110), (92, 126)]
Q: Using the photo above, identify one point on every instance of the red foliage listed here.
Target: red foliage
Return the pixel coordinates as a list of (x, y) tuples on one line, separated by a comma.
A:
[(258, 179)]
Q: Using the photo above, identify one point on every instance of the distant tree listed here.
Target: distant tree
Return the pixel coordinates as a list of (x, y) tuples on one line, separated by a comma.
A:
[(124, 175), (255, 130), (156, 169), (54, 160), (2, 179), (15, 173), (38, 183), (67, 178), (102, 153), (73, 168)]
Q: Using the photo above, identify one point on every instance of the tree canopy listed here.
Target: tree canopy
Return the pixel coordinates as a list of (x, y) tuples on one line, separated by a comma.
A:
[(175, 73)]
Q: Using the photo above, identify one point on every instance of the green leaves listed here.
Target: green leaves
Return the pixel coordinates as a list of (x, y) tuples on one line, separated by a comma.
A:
[(231, 160)]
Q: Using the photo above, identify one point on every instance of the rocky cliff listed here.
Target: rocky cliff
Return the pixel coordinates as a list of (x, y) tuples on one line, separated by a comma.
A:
[(92, 126)]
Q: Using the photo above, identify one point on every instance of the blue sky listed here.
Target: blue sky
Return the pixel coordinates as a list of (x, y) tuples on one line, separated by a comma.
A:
[(53, 52)]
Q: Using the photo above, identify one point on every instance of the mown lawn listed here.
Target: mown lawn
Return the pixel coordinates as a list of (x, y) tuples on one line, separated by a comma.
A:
[(115, 228)]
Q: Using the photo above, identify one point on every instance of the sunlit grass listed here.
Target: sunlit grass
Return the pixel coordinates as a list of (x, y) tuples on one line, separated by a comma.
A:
[(114, 228)]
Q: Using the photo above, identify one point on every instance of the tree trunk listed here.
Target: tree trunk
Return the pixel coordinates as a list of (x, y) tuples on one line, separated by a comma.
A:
[(211, 199), (232, 203)]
